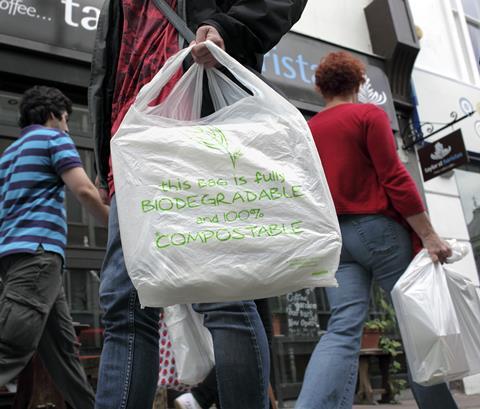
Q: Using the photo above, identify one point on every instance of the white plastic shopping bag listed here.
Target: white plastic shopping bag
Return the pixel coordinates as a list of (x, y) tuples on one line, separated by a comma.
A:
[(192, 344), (433, 313), (466, 300), (231, 206)]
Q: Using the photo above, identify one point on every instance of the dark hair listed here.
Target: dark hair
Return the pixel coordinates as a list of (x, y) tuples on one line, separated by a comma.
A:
[(339, 74), (39, 102)]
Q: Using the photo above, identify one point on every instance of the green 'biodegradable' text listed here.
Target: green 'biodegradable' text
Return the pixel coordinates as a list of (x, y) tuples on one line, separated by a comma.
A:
[(165, 204)]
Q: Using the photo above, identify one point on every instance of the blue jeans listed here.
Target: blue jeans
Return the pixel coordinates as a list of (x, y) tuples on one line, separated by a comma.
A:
[(129, 364), (374, 247)]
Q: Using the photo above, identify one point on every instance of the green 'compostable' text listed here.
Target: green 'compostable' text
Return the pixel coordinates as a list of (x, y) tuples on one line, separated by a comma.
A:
[(165, 240)]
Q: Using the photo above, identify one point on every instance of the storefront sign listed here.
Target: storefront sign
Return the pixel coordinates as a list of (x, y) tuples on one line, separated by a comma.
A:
[(52, 25), (443, 155), (302, 314), (67, 28), (292, 63)]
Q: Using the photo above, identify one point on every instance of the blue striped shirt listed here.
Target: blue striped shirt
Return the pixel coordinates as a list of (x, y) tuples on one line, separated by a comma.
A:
[(32, 192)]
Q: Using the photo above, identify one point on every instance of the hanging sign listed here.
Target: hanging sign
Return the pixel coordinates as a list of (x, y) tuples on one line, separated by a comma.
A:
[(442, 155)]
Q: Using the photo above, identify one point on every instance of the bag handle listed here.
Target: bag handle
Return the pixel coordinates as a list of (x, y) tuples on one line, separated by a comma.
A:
[(459, 251), (175, 20), (150, 91)]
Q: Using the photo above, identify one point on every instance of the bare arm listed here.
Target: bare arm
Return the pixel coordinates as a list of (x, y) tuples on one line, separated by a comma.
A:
[(87, 194), (437, 248)]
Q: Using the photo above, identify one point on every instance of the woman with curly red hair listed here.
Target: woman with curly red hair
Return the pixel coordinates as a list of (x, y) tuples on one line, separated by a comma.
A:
[(379, 211)]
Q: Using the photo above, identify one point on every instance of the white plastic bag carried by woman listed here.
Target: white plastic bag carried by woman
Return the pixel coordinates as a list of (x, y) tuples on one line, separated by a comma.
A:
[(438, 312), (230, 206)]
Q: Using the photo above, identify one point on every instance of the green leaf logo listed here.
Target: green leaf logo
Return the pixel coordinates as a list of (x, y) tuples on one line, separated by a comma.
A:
[(214, 138)]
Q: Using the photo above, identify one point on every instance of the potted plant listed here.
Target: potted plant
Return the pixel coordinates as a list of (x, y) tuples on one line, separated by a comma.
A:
[(372, 331), (392, 344), (395, 385), (382, 334)]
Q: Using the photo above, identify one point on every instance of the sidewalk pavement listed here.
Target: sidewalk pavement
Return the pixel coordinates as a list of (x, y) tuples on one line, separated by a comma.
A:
[(463, 401)]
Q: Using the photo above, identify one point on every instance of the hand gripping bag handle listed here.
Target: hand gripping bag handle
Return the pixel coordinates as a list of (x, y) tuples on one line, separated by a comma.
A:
[(459, 251), (173, 64)]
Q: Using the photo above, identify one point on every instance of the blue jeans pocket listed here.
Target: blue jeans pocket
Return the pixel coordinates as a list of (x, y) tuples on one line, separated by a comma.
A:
[(378, 233)]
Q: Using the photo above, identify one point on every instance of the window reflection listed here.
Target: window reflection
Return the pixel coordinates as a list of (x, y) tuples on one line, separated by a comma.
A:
[(469, 188), (81, 288), (472, 8), (474, 31)]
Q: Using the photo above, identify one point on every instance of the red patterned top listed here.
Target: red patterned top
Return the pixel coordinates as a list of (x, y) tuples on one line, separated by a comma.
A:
[(148, 40)]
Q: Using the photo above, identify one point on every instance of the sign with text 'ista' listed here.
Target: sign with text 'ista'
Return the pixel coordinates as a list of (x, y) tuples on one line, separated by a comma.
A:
[(443, 155), (291, 66)]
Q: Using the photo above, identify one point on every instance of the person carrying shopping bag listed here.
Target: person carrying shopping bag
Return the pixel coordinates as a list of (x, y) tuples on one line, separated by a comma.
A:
[(381, 217), (134, 40)]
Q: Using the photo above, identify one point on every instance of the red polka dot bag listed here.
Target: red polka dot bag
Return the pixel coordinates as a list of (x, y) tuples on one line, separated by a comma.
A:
[(167, 377), (186, 348)]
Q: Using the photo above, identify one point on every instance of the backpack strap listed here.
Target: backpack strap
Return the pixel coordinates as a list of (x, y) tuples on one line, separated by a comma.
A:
[(175, 20)]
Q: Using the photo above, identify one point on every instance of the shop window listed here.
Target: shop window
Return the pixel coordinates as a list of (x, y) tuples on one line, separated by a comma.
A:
[(78, 122), (83, 229), (5, 143), (472, 14), (474, 30), (9, 109), (81, 288), (468, 182), (471, 38)]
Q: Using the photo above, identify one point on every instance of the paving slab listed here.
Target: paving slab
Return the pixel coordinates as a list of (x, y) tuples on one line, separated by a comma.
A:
[(463, 401)]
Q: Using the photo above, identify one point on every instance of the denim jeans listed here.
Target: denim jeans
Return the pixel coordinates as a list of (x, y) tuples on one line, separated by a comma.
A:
[(206, 392), (130, 357), (374, 248)]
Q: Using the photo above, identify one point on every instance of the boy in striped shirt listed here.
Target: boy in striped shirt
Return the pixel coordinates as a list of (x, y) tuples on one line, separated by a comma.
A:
[(34, 313)]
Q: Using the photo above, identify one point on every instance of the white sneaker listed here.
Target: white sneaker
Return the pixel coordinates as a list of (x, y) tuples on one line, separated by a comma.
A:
[(186, 401)]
